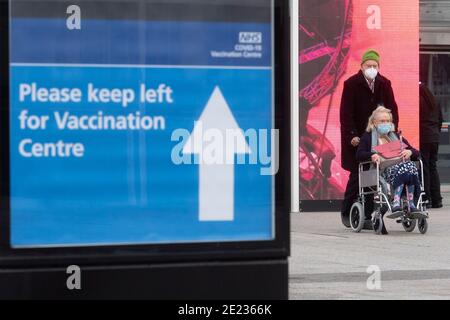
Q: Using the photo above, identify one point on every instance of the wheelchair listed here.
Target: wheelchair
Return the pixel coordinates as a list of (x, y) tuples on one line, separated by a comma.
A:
[(371, 182)]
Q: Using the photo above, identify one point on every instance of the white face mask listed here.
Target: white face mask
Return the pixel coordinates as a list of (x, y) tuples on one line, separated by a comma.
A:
[(371, 73)]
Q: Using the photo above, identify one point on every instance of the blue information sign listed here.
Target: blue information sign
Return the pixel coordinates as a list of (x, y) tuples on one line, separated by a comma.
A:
[(140, 132)]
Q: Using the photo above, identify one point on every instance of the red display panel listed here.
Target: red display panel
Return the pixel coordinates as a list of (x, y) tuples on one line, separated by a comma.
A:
[(333, 36)]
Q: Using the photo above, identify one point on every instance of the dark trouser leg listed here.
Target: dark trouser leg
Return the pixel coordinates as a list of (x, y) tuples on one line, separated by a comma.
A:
[(351, 193), (425, 153), (435, 182), (368, 206)]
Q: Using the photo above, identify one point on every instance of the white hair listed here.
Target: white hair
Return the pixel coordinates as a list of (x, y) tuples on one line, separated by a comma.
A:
[(377, 111)]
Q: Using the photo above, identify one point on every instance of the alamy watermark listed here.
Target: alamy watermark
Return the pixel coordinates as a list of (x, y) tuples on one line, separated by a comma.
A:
[(231, 146), (374, 280), (73, 22), (73, 282)]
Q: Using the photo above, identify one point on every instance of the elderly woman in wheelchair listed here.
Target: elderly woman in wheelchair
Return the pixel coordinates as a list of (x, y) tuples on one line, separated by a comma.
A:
[(389, 168)]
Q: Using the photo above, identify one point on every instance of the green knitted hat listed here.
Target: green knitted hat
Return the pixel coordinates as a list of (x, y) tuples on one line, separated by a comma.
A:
[(371, 55)]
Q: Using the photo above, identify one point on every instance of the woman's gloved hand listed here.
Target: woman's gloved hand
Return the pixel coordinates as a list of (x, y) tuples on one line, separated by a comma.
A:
[(376, 158), (406, 154)]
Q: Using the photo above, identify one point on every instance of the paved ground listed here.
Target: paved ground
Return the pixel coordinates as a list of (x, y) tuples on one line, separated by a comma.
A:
[(330, 262)]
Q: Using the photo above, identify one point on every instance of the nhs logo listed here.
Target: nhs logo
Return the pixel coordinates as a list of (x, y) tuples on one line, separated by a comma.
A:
[(250, 37)]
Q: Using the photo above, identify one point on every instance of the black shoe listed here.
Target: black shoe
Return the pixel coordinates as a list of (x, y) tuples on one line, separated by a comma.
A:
[(428, 206), (437, 205), (368, 225), (345, 218), (383, 230)]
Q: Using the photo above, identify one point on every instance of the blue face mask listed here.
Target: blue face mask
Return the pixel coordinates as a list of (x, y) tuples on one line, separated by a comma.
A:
[(384, 128)]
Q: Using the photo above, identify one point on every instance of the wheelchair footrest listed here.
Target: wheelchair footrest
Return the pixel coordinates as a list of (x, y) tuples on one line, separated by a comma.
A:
[(394, 215), (419, 215)]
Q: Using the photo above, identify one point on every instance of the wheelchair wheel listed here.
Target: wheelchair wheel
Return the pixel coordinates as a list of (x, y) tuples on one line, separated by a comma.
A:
[(357, 217), (378, 223), (423, 225), (409, 224)]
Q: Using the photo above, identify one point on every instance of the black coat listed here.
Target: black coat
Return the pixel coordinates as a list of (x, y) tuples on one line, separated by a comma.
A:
[(365, 153), (430, 116), (357, 104)]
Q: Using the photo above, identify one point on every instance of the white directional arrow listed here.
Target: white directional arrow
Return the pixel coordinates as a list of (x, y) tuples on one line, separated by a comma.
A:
[(216, 179)]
